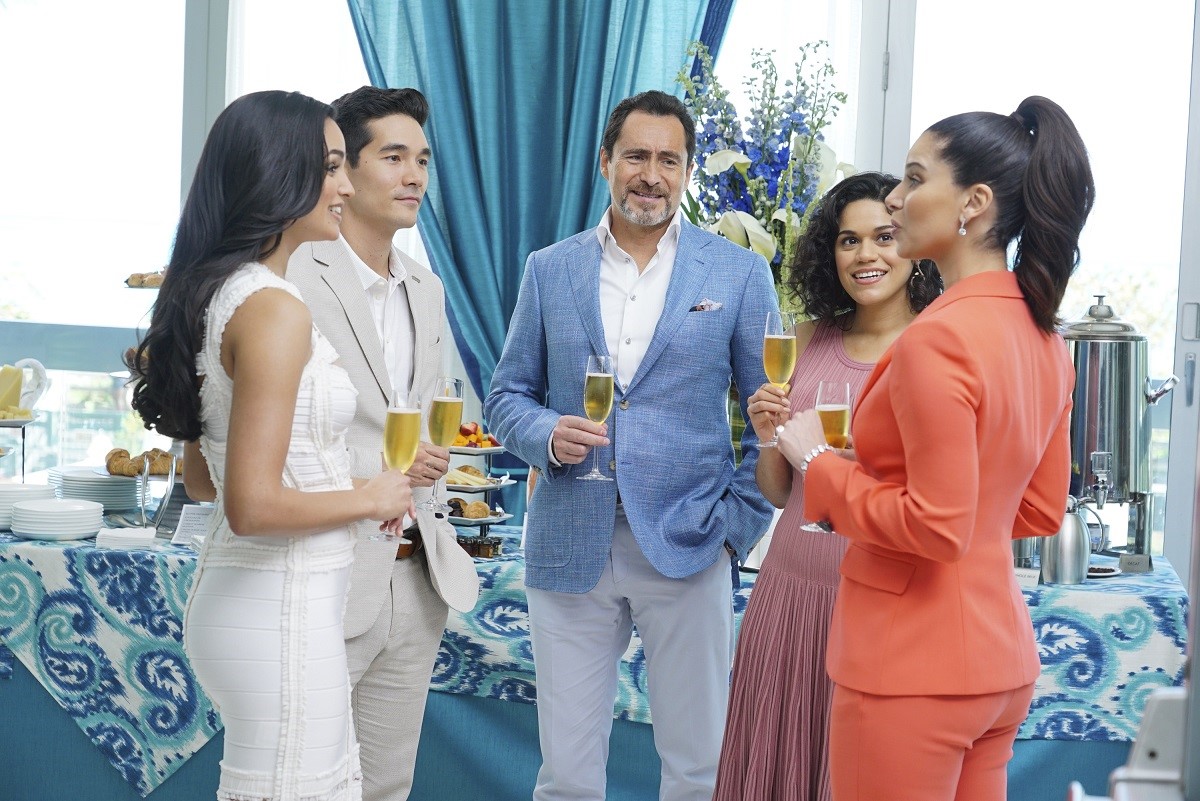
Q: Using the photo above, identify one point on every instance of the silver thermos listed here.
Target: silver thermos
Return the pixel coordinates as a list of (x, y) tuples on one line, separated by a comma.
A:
[(1110, 427), (1065, 555)]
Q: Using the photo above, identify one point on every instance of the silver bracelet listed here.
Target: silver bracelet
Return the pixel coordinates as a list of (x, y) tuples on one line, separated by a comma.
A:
[(813, 454)]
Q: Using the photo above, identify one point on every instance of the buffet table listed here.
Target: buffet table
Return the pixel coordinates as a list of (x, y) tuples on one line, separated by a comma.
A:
[(97, 680)]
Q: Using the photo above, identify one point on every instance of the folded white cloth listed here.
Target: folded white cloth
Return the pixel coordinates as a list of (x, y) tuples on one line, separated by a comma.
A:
[(125, 538)]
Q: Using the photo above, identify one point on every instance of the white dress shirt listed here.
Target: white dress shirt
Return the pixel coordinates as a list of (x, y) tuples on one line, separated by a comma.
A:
[(388, 300), (632, 302)]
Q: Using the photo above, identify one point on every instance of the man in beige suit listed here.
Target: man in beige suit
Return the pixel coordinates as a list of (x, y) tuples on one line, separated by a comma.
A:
[(384, 314)]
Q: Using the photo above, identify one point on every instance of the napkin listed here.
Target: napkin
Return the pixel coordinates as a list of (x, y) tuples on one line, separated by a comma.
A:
[(125, 538)]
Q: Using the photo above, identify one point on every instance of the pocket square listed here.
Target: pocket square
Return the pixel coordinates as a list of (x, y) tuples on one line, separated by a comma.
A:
[(707, 305)]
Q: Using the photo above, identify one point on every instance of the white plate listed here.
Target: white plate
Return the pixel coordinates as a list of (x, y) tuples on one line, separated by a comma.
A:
[(54, 536), (103, 471), (463, 451), (16, 423), (29, 492), (58, 505), (479, 521), (35, 523), (504, 482), (1103, 572)]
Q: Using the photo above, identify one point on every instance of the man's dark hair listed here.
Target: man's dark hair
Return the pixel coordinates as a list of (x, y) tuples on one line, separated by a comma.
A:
[(354, 112), (660, 104)]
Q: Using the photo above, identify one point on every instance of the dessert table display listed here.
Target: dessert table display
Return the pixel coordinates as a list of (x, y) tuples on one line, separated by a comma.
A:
[(97, 678)]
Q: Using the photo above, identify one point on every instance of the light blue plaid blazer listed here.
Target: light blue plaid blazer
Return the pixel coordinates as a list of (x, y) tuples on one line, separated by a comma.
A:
[(669, 431)]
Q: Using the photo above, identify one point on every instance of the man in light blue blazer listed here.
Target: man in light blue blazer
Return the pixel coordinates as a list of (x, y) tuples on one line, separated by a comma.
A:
[(682, 313)]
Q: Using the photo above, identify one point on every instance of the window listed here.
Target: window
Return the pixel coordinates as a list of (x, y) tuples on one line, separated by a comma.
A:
[(1125, 81), (92, 138)]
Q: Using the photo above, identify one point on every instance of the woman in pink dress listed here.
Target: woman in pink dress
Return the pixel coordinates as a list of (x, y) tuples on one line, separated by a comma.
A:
[(859, 295)]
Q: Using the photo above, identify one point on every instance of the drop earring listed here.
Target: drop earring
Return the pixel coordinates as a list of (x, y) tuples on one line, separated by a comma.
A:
[(962, 226)]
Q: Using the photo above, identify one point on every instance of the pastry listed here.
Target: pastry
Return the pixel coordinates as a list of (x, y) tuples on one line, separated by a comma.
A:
[(118, 462), (457, 507), (472, 470), (477, 510)]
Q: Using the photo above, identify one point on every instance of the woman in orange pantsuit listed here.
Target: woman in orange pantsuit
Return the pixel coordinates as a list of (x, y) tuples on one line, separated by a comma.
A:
[(962, 444)]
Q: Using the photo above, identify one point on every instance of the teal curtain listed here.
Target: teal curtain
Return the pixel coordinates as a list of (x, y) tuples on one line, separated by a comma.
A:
[(519, 92)]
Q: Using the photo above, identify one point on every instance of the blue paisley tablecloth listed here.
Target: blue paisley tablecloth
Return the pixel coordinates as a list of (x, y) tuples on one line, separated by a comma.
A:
[(101, 632), (1104, 646), (487, 652)]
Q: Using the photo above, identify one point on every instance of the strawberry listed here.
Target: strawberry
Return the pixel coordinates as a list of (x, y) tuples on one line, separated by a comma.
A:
[(467, 429)]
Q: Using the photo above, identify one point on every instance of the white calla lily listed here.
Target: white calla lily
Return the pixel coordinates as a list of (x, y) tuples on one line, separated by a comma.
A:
[(742, 229), (722, 160)]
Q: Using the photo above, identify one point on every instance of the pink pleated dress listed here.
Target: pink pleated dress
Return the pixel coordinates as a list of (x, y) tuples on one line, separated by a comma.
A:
[(776, 733)]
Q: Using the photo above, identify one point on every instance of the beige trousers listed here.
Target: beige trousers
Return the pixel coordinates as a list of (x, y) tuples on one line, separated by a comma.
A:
[(390, 665)]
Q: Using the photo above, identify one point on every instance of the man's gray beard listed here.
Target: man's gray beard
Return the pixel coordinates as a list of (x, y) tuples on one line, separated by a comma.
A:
[(644, 218)]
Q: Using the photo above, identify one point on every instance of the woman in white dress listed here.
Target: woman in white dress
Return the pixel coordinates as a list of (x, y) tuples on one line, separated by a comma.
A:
[(232, 365)]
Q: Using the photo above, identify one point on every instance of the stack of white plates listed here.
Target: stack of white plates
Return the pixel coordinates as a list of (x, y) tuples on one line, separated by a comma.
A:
[(55, 519), (86, 484), (11, 493)]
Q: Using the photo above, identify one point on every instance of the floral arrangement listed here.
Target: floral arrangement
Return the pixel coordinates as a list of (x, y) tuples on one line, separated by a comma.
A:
[(755, 181)]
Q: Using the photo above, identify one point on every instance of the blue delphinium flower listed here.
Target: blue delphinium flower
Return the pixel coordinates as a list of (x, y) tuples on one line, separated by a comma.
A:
[(756, 179)]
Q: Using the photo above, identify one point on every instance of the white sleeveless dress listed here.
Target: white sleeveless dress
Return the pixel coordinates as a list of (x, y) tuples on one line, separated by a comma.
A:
[(263, 629)]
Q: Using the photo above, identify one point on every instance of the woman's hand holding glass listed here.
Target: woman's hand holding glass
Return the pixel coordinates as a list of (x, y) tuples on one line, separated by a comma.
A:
[(779, 357), (391, 493), (826, 425), (769, 407)]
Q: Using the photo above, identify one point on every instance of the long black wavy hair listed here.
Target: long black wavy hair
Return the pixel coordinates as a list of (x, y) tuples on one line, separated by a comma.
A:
[(262, 168), (1037, 167), (814, 281)]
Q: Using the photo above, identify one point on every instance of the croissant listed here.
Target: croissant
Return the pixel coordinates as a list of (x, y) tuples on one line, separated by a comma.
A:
[(476, 510), (118, 462)]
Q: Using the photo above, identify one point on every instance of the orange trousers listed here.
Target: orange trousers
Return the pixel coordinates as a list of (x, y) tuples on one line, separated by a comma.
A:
[(923, 748)]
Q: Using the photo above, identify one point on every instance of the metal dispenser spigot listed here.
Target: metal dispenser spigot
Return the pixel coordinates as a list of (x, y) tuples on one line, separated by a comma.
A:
[(1101, 469)]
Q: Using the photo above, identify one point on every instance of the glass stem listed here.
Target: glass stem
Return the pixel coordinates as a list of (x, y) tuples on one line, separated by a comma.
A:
[(595, 460)]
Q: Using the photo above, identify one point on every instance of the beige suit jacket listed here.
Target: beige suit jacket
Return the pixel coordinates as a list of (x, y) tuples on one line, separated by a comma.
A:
[(329, 283)]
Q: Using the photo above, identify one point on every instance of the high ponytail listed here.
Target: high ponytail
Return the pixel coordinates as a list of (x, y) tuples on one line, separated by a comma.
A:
[(1057, 192), (1036, 165)]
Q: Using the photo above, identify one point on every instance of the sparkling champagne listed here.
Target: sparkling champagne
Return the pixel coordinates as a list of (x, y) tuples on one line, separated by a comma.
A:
[(779, 357), (835, 420), (598, 396), (401, 433), (445, 416)]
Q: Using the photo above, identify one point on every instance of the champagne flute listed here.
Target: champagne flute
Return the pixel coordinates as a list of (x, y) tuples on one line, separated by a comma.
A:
[(779, 354), (445, 416), (833, 407), (401, 435), (597, 404)]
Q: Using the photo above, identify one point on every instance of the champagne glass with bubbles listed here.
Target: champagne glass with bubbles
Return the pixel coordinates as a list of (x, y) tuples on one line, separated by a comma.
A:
[(833, 407), (779, 354), (445, 416), (401, 435), (597, 404)]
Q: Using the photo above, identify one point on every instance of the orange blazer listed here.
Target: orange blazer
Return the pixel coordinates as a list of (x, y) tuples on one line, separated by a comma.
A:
[(962, 444)]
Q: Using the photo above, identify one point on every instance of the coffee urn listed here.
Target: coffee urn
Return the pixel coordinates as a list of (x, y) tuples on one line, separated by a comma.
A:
[(1110, 421)]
